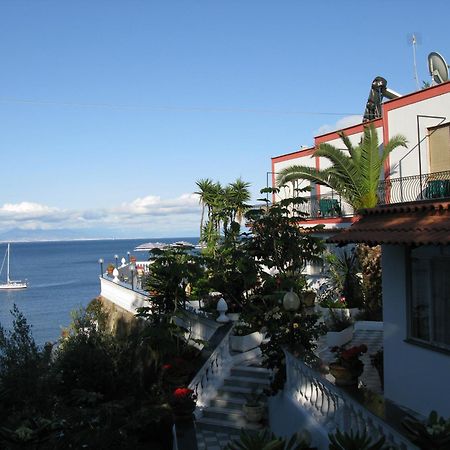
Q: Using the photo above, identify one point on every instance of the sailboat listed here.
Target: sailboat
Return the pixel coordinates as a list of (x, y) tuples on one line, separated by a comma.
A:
[(11, 284)]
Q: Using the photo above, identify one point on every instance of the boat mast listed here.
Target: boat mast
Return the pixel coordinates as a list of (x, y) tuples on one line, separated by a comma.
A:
[(7, 276)]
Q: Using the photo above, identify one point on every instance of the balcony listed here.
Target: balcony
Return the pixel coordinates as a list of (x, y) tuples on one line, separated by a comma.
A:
[(431, 186)]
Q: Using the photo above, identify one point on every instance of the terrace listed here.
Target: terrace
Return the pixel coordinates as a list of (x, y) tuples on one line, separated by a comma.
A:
[(431, 186)]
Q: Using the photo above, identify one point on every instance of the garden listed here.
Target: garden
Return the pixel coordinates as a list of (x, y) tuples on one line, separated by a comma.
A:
[(99, 389)]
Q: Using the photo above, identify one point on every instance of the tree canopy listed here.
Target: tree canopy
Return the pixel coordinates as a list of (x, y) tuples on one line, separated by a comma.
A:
[(354, 172)]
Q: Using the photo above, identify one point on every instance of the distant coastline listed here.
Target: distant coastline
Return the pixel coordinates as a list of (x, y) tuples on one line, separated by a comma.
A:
[(149, 239)]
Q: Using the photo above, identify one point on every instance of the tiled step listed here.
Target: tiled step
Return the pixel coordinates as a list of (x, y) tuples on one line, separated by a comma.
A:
[(230, 403), (233, 391), (214, 412), (250, 382), (250, 371), (207, 423), (225, 412)]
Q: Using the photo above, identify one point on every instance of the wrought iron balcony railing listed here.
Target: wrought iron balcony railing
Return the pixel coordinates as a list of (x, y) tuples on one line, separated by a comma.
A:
[(414, 188), (395, 190), (330, 205)]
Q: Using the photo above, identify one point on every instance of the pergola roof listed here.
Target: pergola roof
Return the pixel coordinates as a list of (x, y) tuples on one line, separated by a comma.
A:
[(416, 223)]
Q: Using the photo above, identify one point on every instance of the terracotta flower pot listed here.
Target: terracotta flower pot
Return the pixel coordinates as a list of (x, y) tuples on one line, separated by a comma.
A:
[(254, 413), (345, 376)]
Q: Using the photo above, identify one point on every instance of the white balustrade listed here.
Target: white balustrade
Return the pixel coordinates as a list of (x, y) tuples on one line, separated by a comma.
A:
[(122, 295), (332, 407), (210, 377)]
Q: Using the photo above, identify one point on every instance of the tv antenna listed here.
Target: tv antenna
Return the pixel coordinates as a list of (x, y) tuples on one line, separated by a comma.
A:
[(438, 68), (414, 40)]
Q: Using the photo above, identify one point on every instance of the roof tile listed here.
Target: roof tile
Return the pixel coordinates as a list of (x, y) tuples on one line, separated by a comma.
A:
[(419, 223)]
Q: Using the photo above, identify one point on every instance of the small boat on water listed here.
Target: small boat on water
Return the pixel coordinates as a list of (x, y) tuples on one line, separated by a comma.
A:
[(10, 284), (150, 246)]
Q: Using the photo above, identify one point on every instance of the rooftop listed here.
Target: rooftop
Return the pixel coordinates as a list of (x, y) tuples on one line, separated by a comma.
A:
[(417, 223)]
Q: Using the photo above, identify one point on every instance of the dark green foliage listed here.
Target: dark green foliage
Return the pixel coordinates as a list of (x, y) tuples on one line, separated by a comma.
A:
[(433, 434), (172, 269), (266, 440), (370, 263), (355, 441), (232, 271), (279, 242), (344, 281), (24, 370), (377, 360), (95, 391)]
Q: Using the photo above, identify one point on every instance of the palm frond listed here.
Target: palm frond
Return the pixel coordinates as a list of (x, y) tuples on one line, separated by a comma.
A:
[(343, 166), (395, 141)]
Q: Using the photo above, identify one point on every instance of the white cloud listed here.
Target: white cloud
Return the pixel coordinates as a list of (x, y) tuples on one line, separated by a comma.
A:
[(146, 213), (25, 209), (345, 122)]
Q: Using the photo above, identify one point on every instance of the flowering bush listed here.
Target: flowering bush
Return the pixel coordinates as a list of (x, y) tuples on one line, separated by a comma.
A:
[(333, 302), (244, 328), (183, 400), (349, 357)]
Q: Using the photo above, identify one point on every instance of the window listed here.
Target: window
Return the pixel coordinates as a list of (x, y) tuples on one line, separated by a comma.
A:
[(440, 148), (430, 298)]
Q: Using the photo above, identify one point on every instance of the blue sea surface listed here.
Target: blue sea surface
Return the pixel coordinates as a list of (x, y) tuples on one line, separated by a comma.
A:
[(62, 276)]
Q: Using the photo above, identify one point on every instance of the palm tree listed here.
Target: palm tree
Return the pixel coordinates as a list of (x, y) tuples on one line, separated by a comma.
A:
[(205, 186), (240, 195), (354, 175)]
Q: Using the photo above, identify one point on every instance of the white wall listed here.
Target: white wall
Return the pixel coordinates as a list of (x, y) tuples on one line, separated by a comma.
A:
[(404, 121), (122, 296), (304, 160), (414, 376)]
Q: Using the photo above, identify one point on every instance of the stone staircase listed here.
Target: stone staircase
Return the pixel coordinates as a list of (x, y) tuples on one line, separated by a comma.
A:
[(225, 412)]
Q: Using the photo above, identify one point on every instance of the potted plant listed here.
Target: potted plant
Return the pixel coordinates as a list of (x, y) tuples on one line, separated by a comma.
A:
[(377, 360), (266, 440), (175, 373), (347, 367), (355, 441), (432, 434), (340, 329), (254, 407), (245, 337), (183, 401)]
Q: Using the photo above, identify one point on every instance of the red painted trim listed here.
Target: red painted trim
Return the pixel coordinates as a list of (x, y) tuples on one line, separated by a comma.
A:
[(273, 180), (416, 97), (318, 168), (354, 129), (330, 220), (298, 154)]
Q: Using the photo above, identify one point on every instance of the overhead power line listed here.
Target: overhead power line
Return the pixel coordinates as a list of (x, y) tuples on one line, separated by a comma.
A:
[(123, 107)]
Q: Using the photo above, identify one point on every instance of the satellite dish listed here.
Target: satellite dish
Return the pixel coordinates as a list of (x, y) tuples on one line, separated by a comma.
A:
[(438, 68)]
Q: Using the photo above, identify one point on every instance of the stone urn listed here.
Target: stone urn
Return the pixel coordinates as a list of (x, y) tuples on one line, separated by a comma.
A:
[(345, 376)]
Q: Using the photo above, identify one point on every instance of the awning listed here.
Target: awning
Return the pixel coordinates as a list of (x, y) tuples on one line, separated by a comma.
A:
[(417, 223)]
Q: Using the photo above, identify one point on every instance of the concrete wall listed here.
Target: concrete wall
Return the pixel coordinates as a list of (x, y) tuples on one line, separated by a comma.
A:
[(415, 377), (404, 121), (286, 417)]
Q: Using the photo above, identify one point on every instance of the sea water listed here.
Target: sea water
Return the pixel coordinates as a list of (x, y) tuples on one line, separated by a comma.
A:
[(62, 276)]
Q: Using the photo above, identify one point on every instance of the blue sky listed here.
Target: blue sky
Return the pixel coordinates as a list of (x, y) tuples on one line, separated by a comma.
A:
[(111, 110)]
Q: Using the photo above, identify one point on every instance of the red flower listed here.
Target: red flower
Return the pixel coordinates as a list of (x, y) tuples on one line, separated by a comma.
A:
[(167, 366), (180, 393)]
